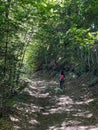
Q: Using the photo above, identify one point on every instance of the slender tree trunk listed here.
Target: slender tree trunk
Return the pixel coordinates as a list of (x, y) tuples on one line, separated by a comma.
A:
[(22, 58), (96, 56), (92, 57), (89, 64), (4, 84)]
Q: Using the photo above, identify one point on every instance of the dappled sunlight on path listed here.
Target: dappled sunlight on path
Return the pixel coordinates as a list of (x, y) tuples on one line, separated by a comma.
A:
[(39, 108)]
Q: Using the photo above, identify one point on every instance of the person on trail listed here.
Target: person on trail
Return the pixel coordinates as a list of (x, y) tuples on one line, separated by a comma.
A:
[(61, 79)]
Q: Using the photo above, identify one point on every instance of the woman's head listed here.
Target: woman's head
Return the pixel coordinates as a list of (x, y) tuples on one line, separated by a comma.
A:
[(62, 72)]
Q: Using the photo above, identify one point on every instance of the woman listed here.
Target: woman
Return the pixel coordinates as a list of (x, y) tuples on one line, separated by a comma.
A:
[(62, 76)]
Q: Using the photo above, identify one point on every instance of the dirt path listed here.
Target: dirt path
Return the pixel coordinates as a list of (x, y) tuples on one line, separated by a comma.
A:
[(39, 108)]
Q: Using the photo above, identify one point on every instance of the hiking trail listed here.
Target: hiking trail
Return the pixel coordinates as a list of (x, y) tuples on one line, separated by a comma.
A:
[(39, 108)]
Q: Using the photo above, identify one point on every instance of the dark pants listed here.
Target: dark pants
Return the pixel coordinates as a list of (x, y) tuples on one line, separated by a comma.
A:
[(61, 83)]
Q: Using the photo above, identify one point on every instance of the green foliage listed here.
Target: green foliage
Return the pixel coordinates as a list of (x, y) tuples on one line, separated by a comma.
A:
[(93, 82), (64, 34), (5, 124), (58, 90), (35, 56)]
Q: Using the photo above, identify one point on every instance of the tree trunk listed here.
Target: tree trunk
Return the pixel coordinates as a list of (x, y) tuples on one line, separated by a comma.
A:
[(4, 83)]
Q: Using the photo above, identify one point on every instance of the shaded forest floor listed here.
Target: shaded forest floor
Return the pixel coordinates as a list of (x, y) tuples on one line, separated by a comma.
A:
[(39, 107)]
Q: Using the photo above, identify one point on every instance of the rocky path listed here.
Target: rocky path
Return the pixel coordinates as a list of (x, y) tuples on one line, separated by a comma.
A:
[(40, 108)]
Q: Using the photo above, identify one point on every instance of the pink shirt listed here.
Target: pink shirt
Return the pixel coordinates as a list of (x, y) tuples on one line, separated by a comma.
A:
[(61, 77)]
